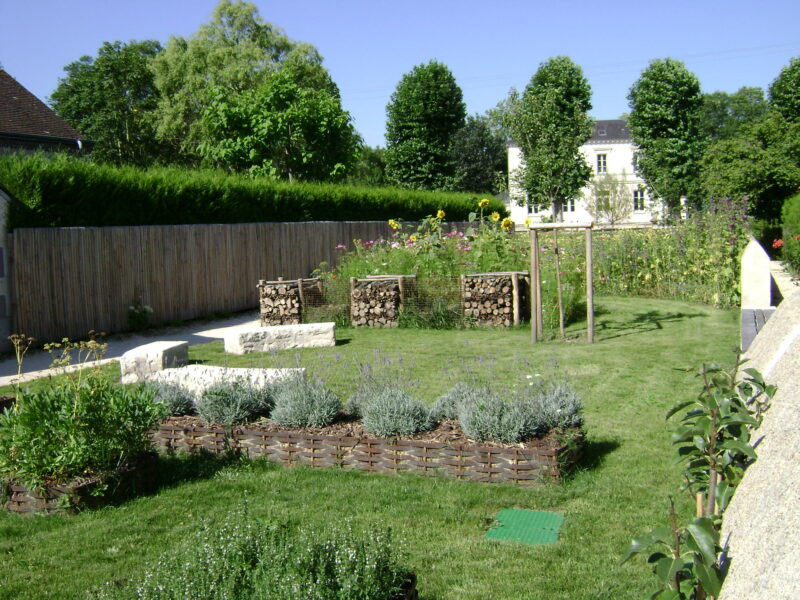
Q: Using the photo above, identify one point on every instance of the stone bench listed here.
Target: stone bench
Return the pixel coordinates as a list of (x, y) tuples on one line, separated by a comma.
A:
[(280, 337), (197, 378), (138, 364)]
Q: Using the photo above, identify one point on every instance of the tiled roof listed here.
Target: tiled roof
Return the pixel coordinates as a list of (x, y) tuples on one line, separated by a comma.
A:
[(615, 130), (23, 113)]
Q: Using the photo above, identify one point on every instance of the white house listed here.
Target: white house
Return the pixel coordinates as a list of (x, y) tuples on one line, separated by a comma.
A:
[(610, 153)]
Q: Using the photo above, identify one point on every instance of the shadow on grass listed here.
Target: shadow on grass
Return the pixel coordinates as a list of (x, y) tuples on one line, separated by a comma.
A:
[(642, 323), (175, 469), (593, 455)]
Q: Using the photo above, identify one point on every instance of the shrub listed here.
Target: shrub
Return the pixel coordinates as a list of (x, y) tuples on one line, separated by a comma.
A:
[(89, 428), (175, 399), (63, 191), (244, 559), (791, 234), (304, 402), (510, 416), (234, 402), (390, 410)]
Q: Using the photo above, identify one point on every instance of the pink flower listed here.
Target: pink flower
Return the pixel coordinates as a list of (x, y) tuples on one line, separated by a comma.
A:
[(341, 247), (777, 244)]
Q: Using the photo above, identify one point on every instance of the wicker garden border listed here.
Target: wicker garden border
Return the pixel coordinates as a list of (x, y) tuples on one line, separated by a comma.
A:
[(541, 459)]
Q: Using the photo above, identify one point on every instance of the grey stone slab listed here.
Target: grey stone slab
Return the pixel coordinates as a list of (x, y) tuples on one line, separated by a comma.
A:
[(280, 337)]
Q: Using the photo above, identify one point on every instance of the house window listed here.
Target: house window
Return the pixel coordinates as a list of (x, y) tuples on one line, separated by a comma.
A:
[(602, 163), (638, 199), (569, 205)]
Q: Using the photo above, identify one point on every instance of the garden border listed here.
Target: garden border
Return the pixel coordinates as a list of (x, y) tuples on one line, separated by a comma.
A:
[(542, 459)]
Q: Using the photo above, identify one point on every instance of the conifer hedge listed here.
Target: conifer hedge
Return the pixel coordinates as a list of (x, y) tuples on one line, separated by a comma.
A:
[(63, 191)]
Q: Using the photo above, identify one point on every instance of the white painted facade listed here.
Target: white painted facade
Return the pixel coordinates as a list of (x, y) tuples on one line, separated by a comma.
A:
[(610, 151)]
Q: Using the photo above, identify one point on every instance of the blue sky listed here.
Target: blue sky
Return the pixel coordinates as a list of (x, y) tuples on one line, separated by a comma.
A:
[(489, 46)]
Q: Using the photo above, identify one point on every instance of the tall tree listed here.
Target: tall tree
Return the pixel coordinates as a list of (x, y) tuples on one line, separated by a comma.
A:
[(292, 126), (369, 168), (479, 153), (762, 163), (550, 122), (110, 99), (784, 93), (665, 107), (236, 51), (423, 115), (723, 115)]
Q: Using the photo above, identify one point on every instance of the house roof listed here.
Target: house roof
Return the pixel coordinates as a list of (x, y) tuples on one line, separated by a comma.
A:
[(614, 130), (22, 113)]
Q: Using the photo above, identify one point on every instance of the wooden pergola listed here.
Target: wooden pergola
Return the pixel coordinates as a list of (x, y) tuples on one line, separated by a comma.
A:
[(536, 278)]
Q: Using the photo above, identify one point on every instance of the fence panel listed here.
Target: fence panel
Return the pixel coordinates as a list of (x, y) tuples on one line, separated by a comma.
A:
[(67, 281)]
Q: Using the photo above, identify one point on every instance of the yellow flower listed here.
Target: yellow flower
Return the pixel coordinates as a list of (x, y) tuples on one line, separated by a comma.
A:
[(528, 221), (394, 224), (412, 238), (507, 224), (495, 216), (483, 203), (440, 214)]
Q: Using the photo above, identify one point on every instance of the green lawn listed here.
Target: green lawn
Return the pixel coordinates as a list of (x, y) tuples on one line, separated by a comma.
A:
[(628, 379)]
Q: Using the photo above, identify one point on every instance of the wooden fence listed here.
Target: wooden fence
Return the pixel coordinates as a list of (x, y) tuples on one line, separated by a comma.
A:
[(67, 281)]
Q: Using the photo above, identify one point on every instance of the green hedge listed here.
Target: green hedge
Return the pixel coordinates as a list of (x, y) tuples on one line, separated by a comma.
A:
[(790, 251), (62, 191)]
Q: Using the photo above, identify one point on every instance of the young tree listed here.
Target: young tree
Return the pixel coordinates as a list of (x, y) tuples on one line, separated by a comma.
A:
[(550, 123), (292, 126), (236, 51), (665, 107), (425, 112), (480, 159), (610, 200), (784, 93), (110, 99)]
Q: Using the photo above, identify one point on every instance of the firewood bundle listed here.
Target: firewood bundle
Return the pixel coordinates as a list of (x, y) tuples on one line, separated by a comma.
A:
[(494, 299), (282, 302), (377, 301)]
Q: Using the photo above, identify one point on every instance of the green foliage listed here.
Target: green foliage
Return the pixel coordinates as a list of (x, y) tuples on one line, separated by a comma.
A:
[(762, 163), (236, 50), (65, 192), (550, 122), (247, 559), (110, 100), (304, 402), (698, 259), (175, 399), (516, 415), (784, 93), (610, 200), (369, 168), (723, 115), (291, 127), (791, 233), (234, 402), (89, 427), (714, 442), (422, 117), (665, 114), (479, 153)]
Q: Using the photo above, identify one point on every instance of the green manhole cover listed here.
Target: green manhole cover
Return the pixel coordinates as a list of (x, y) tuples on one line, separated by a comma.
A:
[(526, 526)]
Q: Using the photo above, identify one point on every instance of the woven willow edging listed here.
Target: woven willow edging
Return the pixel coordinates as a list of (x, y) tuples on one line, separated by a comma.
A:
[(523, 463)]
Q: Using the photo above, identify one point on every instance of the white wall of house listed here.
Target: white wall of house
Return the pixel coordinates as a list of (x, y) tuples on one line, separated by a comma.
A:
[(612, 157)]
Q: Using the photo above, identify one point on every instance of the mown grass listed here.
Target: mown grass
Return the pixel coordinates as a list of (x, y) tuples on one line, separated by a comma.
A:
[(628, 379)]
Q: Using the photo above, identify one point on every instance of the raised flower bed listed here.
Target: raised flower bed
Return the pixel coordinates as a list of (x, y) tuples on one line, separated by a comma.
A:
[(445, 450)]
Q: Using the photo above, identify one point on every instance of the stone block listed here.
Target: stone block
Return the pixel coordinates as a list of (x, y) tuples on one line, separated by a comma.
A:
[(756, 277), (280, 337), (197, 378), (140, 362)]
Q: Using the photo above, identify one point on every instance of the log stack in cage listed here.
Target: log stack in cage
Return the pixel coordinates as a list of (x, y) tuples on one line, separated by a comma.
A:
[(495, 299), (377, 300), (282, 302)]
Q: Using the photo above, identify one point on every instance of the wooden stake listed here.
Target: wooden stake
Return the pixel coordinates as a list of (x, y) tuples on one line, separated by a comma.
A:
[(589, 286), (534, 279), (515, 297), (558, 285)]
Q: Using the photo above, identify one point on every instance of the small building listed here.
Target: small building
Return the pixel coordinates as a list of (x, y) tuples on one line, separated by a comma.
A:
[(28, 124), (615, 195)]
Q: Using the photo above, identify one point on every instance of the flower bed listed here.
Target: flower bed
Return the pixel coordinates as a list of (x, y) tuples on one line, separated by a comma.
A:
[(445, 450)]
